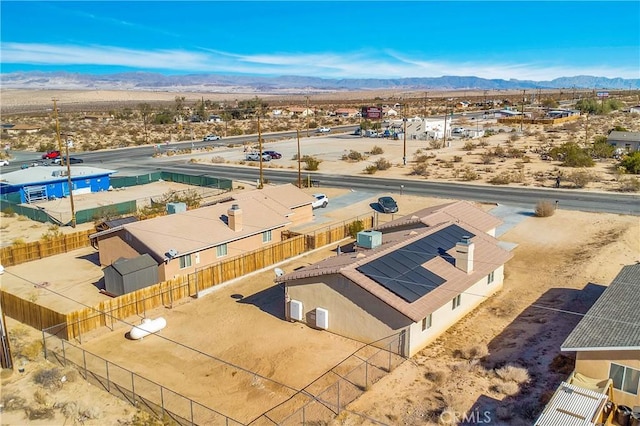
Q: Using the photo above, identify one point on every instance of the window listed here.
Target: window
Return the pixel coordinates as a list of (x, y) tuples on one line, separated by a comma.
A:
[(221, 250), (456, 301), (185, 261), (624, 378), (266, 236), (426, 322), (490, 277)]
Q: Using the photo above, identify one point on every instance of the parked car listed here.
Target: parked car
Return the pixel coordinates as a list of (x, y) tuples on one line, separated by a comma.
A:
[(4, 162), (255, 156), (211, 138), (388, 204), (323, 130), (321, 200), (72, 160), (51, 155), (275, 155)]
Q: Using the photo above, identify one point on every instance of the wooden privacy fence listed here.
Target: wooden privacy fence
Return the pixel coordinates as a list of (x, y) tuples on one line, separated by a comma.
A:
[(30, 313), (16, 254), (109, 312), (335, 233)]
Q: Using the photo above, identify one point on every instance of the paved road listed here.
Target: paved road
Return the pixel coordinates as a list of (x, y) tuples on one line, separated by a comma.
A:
[(521, 197)]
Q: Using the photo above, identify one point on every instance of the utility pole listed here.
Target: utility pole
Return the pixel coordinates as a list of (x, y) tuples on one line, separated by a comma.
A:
[(261, 183), (69, 182), (299, 160), (586, 131), (307, 113), (444, 134), (522, 111), (404, 122)]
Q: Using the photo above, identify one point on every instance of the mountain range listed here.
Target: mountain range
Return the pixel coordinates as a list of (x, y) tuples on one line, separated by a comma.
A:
[(145, 81)]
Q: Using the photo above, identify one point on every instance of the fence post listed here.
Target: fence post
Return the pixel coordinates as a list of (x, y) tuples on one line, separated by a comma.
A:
[(106, 364), (303, 414), (191, 402), (133, 389), (366, 374), (338, 411), (84, 361), (64, 354), (44, 344), (162, 399)]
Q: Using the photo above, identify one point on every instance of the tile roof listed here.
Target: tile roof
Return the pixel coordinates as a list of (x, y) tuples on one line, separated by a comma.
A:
[(458, 212), (612, 322), (487, 257), (199, 229)]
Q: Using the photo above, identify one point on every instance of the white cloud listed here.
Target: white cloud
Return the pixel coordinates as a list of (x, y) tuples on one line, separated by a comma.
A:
[(362, 64)]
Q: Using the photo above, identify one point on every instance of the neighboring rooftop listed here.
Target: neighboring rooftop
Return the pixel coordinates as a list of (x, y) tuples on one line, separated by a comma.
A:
[(612, 321), (48, 174), (625, 136)]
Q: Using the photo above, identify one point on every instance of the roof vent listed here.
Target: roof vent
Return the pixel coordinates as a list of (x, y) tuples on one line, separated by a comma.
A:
[(235, 207), (172, 253)]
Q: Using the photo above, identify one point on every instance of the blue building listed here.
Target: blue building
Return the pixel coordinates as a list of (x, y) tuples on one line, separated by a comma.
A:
[(46, 183)]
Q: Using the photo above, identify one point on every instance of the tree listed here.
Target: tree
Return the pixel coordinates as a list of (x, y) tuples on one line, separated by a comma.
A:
[(602, 148), (179, 106), (145, 112), (550, 103), (572, 155)]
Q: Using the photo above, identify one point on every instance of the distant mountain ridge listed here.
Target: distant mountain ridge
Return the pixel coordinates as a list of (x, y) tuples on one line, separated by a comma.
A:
[(290, 84)]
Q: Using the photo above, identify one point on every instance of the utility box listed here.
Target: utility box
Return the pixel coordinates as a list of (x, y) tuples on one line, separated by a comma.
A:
[(322, 318), (295, 310), (369, 239), (173, 208)]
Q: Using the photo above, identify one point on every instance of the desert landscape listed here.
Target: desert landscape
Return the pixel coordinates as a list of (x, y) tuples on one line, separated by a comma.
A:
[(502, 360)]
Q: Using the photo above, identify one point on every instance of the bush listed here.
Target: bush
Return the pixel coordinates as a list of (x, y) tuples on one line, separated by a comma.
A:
[(376, 150), (507, 177), (370, 169), (469, 174), (439, 377), (382, 164), (544, 209), (48, 378), (631, 184), (631, 163), (353, 156), (11, 402), (468, 146), (420, 169), (311, 163), (457, 159), (355, 227), (507, 388), (477, 351), (581, 178), (513, 373)]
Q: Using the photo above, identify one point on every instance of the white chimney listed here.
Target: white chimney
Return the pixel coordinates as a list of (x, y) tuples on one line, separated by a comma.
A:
[(464, 254), (234, 217)]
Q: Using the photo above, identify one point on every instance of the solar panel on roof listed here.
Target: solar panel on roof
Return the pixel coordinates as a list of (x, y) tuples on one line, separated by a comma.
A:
[(401, 271)]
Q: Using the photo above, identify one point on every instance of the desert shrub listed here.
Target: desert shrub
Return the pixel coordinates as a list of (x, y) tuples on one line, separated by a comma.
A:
[(469, 174), (422, 158), (544, 209), (69, 410), (32, 350), (311, 163), (420, 169), (457, 159), (631, 163), (435, 144), (526, 159), (376, 150), (506, 178), (513, 373), (439, 377), (353, 156), (631, 184), (383, 164), (486, 158), (514, 137), (53, 232), (506, 388), (90, 413), (217, 159), (515, 153), (12, 402), (355, 227), (468, 146), (41, 397), (499, 151), (40, 413), (370, 169), (580, 178), (447, 164), (48, 378), (476, 351), (562, 364)]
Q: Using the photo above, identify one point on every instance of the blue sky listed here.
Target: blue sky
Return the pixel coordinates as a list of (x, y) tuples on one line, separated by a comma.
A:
[(362, 39)]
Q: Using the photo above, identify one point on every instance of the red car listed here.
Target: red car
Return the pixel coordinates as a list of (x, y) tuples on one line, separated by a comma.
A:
[(51, 155)]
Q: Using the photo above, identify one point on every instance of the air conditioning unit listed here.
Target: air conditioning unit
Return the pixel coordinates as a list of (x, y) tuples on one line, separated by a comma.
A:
[(172, 253), (322, 318), (295, 310), (369, 239)]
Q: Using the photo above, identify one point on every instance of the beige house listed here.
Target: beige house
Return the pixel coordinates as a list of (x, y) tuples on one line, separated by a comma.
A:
[(413, 278), (346, 112), (301, 111), (607, 339), (186, 241)]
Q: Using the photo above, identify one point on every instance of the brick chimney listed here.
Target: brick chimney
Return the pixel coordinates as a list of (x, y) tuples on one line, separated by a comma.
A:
[(234, 215), (464, 254)]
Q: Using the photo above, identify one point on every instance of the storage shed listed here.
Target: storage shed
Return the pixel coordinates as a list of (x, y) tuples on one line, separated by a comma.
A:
[(127, 275)]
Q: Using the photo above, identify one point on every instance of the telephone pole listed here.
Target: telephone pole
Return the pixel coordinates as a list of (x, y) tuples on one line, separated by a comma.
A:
[(404, 132), (299, 160), (261, 183), (522, 111), (69, 182), (307, 114)]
